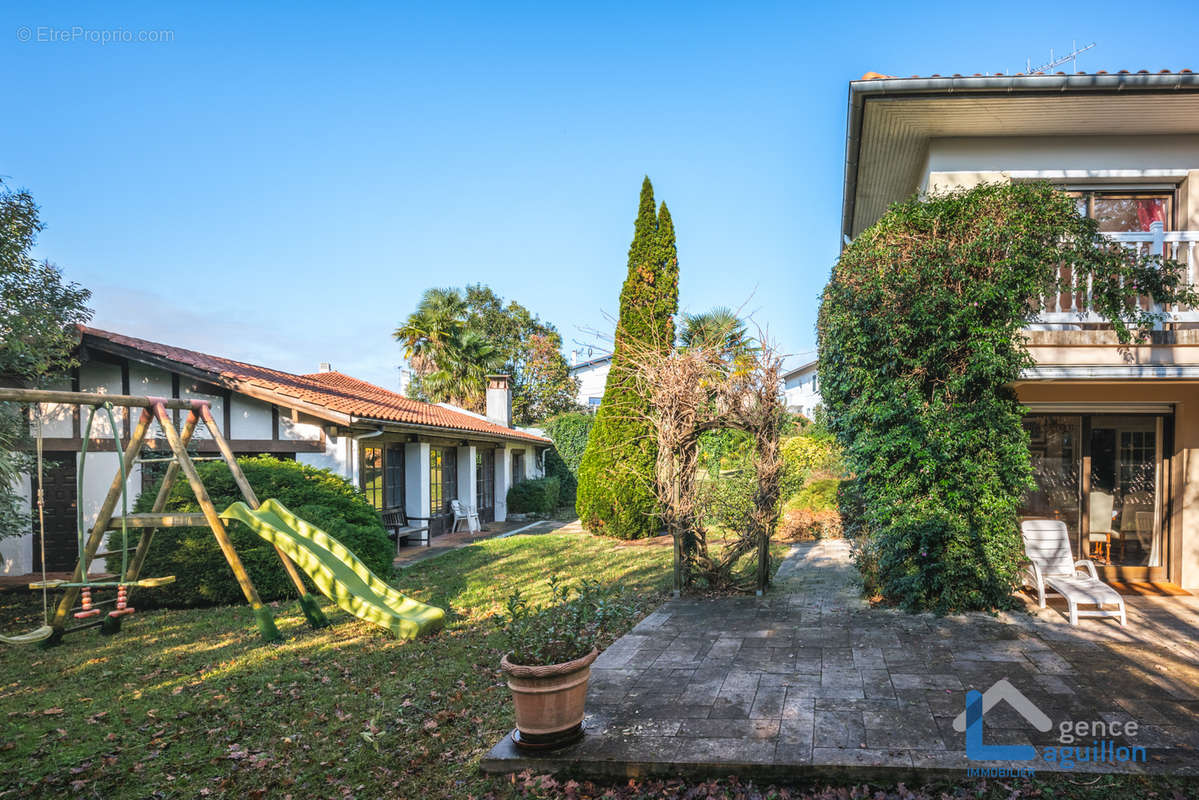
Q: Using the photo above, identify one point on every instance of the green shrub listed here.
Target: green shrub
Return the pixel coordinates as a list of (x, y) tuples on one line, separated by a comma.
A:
[(817, 495), (555, 467), (536, 496), (202, 575), (569, 432), (921, 338), (807, 455)]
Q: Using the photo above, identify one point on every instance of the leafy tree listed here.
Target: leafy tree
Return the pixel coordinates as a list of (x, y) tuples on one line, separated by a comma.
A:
[(39, 313), (921, 338), (455, 338), (616, 488)]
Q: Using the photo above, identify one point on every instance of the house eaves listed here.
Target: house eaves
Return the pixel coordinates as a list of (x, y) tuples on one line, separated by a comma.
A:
[(890, 121)]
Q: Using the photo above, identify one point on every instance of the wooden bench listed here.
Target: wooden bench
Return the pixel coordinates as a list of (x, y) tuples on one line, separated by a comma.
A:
[(401, 528)]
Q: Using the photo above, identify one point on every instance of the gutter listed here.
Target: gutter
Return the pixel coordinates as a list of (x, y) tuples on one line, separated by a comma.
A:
[(981, 86)]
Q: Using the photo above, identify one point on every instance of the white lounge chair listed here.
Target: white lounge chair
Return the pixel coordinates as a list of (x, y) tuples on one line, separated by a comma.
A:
[(465, 513), (1047, 545)]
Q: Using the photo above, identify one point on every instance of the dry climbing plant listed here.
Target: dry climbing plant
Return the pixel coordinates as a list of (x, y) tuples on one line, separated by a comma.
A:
[(692, 391)]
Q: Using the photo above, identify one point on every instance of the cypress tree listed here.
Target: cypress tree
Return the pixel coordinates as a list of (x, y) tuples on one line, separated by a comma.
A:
[(615, 495)]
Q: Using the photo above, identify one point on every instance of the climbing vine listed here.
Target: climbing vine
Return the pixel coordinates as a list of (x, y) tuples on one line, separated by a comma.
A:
[(921, 339)]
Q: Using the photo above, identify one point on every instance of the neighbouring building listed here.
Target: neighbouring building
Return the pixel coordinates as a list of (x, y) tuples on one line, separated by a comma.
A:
[(1114, 430), (801, 389), (593, 376), (400, 452)]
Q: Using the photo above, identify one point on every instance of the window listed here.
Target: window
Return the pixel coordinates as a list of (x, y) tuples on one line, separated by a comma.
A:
[(394, 472), (443, 478), (372, 475), (518, 466), (1121, 212), (485, 478)]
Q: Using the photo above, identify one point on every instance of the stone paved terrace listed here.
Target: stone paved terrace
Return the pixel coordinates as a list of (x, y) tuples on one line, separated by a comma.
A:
[(809, 681)]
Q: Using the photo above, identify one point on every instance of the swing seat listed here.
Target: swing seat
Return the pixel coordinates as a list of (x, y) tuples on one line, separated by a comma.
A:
[(54, 584), (33, 637), (150, 583)]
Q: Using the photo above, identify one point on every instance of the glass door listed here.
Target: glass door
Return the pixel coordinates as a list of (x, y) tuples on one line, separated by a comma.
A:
[(1102, 475), (1055, 445), (1125, 530)]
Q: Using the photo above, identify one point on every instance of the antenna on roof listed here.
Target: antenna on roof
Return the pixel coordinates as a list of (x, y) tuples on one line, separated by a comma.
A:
[(1054, 61)]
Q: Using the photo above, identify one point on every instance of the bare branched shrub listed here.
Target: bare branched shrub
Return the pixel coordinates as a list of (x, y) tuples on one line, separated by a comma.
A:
[(704, 389)]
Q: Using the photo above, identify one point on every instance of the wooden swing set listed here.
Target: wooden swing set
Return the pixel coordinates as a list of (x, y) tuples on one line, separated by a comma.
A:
[(79, 588)]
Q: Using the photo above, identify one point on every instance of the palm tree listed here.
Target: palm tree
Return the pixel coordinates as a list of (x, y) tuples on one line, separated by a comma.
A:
[(462, 364), (718, 329), (440, 315)]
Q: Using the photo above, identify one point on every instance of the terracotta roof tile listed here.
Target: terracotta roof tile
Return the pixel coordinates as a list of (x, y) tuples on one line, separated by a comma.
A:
[(334, 391)]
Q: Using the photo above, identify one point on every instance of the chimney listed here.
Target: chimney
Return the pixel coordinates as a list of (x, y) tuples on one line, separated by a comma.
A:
[(325, 367), (499, 400)]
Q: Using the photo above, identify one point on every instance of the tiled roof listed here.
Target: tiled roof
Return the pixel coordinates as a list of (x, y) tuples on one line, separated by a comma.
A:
[(334, 391), (878, 76)]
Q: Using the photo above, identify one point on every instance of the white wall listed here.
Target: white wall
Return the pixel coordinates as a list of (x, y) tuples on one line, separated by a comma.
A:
[(16, 552), (57, 420), (297, 431), (802, 392), (249, 419), (591, 382), (1060, 158), (101, 378), (340, 456), (151, 382), (467, 471), (503, 482), (191, 391), (417, 497)]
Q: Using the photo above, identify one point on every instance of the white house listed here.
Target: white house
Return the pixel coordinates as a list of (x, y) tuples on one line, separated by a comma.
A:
[(593, 376), (401, 452), (1113, 430), (801, 389)]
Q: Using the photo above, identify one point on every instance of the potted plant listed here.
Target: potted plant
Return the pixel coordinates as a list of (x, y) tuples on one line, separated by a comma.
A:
[(550, 650)]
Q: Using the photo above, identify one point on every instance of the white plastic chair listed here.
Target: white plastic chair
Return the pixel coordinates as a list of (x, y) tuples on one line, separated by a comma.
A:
[(1047, 545), (465, 513)]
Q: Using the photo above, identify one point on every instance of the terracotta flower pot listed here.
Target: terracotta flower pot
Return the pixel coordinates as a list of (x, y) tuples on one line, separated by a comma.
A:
[(549, 701)]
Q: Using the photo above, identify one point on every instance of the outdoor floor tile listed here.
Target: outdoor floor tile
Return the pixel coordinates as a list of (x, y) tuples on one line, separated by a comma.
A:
[(729, 728), (819, 679), (902, 729), (839, 729), (860, 757), (725, 750)]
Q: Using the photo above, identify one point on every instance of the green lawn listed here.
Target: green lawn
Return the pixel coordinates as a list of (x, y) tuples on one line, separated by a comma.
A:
[(190, 704)]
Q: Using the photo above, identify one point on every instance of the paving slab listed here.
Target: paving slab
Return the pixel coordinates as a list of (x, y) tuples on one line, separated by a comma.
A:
[(809, 681)]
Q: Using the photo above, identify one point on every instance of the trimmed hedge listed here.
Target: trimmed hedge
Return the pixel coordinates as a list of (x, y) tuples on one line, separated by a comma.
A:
[(536, 496), (202, 575)]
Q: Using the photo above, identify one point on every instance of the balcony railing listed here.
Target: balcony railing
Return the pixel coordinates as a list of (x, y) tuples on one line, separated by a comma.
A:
[(1074, 307)]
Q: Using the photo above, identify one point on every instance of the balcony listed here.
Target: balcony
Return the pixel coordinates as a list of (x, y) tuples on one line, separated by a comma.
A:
[(1071, 310)]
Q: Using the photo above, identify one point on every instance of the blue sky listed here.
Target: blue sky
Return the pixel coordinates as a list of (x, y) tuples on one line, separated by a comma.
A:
[(280, 183)]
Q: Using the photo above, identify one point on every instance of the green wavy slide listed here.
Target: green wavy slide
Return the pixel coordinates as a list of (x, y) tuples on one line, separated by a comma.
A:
[(339, 574)]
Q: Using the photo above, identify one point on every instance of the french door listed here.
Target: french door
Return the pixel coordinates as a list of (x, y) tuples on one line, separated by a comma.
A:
[(1104, 476)]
